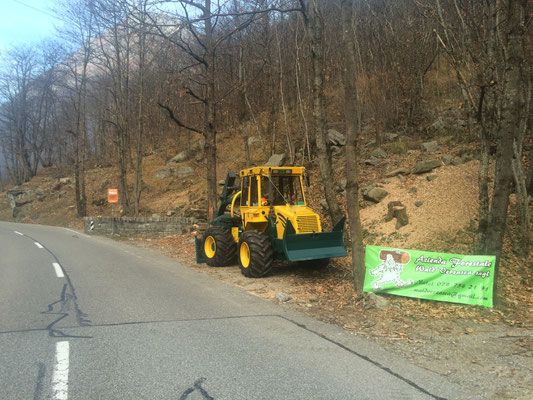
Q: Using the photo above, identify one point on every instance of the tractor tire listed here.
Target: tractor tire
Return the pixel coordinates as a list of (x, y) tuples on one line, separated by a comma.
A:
[(321, 263), (255, 254), (219, 247)]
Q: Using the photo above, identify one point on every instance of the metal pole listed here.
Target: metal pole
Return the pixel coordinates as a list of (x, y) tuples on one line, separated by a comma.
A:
[(112, 219)]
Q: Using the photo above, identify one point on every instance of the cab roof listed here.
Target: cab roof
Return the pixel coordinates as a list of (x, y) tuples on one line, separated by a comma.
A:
[(264, 171)]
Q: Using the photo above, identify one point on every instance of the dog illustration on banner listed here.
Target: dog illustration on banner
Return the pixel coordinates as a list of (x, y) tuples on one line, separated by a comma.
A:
[(391, 267)]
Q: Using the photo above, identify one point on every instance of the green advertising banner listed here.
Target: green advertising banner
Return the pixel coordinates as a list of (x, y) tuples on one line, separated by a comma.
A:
[(433, 276)]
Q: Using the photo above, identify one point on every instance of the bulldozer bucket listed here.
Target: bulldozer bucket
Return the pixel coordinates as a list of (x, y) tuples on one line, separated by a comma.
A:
[(313, 246)]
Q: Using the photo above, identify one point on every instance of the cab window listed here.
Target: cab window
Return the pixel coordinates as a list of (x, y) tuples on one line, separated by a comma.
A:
[(287, 189), (245, 187), (254, 195)]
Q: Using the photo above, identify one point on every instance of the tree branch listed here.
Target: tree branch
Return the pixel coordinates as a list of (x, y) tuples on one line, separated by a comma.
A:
[(177, 121)]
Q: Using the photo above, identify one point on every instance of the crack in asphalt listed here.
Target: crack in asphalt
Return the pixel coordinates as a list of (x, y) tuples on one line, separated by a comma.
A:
[(64, 303), (67, 300), (197, 387)]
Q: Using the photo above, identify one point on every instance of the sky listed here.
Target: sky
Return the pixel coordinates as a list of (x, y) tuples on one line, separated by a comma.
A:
[(25, 22)]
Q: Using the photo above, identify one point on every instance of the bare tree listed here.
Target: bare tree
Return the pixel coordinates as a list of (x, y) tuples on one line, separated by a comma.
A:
[(486, 46), (79, 33), (352, 124), (16, 83), (315, 28)]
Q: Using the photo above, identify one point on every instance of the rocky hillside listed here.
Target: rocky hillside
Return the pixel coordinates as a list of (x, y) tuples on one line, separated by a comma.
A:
[(435, 181)]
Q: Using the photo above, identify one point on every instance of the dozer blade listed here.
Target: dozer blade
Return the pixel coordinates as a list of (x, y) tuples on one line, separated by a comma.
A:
[(313, 246)]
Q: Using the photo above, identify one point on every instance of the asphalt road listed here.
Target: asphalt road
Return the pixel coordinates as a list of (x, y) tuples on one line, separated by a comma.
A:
[(91, 318)]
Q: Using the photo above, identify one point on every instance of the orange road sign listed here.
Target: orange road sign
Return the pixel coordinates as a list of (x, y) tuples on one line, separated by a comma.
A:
[(112, 196)]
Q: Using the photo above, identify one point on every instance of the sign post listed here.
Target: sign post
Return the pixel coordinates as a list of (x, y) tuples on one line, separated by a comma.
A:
[(112, 198)]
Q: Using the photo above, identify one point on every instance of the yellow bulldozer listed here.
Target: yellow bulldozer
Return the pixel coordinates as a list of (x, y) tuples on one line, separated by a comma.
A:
[(265, 218)]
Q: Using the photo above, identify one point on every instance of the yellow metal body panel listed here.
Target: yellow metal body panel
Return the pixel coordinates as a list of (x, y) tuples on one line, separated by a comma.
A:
[(255, 211), (237, 195), (264, 171), (235, 234), (303, 219)]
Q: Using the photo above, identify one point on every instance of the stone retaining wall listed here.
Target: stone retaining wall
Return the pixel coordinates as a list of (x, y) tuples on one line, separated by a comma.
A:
[(138, 226)]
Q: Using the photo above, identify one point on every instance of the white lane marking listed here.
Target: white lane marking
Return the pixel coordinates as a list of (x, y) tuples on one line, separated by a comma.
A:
[(60, 376), (18, 233), (59, 270), (39, 245)]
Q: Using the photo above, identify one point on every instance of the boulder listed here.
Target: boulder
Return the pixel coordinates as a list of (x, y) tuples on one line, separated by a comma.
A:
[(426, 166), (376, 194), (379, 301), (252, 140), (336, 138), (419, 203), (283, 297), (398, 171), (342, 184), (19, 214), (439, 124), (447, 159), (164, 173), (373, 161), (379, 153), (457, 161), (368, 188), (431, 177), (413, 190), (65, 181), (336, 152), (184, 172), (18, 197), (390, 136), (180, 157), (198, 145), (276, 160), (430, 146)]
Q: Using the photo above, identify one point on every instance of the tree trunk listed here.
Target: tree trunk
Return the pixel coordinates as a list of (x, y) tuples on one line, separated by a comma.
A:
[(210, 114), (140, 120), (529, 179), (315, 31), (351, 121), (530, 174), (513, 103), (483, 184)]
